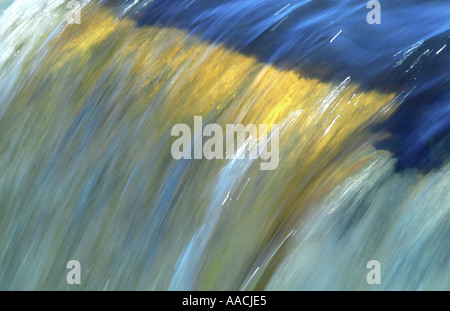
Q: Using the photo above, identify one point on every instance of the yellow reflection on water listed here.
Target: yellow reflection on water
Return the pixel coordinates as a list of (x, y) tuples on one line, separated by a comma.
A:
[(138, 83)]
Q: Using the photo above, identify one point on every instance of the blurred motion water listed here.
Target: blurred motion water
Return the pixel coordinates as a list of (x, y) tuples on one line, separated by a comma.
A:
[(86, 112)]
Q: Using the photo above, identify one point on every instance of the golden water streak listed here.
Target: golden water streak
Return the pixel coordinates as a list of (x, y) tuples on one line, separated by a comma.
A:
[(152, 78)]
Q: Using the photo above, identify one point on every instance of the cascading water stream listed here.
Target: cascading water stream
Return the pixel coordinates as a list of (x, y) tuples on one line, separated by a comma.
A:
[(86, 170)]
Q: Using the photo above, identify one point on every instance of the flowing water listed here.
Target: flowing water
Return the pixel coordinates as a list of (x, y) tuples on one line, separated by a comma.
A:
[(86, 112)]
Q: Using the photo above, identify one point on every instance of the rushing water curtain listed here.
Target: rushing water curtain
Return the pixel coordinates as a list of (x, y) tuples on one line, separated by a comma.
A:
[(356, 117)]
